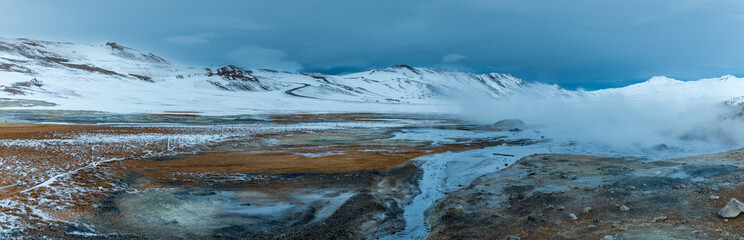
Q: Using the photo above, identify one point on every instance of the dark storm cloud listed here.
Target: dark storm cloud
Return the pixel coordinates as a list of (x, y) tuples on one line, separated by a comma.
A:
[(574, 43)]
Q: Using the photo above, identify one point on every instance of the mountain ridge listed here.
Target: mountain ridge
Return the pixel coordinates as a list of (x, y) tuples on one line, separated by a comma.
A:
[(112, 77)]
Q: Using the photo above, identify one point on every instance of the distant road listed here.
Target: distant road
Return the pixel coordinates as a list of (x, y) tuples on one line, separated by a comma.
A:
[(291, 91), (304, 85)]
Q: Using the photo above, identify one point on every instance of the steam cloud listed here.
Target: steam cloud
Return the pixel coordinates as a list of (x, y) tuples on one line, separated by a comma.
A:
[(625, 124)]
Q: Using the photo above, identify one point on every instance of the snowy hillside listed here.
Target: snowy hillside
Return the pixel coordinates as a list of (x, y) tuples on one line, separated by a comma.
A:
[(664, 88), (115, 78), (111, 77)]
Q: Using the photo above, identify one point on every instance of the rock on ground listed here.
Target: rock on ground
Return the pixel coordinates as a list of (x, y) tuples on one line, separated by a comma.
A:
[(732, 209)]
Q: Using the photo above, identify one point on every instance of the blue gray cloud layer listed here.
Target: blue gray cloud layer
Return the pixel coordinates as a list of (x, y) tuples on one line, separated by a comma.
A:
[(574, 43)]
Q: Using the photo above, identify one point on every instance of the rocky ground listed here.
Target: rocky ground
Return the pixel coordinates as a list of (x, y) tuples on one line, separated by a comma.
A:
[(345, 176), (559, 196)]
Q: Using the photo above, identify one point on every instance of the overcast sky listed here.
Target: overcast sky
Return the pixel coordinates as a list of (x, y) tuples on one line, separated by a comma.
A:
[(589, 43)]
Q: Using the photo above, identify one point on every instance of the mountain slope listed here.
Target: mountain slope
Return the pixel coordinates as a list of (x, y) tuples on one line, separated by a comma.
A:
[(115, 78), (663, 88)]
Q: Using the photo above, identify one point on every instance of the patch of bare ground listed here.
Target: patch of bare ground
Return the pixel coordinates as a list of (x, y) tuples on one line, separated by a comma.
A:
[(324, 117), (585, 197), (177, 115), (142, 77), (10, 67), (327, 152), (89, 68), (339, 117), (64, 131), (20, 88), (337, 159), (51, 173)]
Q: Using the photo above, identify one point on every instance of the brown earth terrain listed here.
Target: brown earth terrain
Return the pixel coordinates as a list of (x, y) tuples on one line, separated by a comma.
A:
[(271, 181), (57, 169), (302, 176), (586, 197)]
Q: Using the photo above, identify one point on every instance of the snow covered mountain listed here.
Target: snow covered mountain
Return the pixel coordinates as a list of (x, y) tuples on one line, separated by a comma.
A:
[(115, 78), (111, 77), (664, 88)]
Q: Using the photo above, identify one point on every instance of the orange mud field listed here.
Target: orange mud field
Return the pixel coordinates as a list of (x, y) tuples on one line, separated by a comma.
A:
[(71, 176)]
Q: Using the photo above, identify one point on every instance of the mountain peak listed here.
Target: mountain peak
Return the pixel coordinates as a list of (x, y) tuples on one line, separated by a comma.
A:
[(727, 77), (133, 54), (397, 68), (660, 80)]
